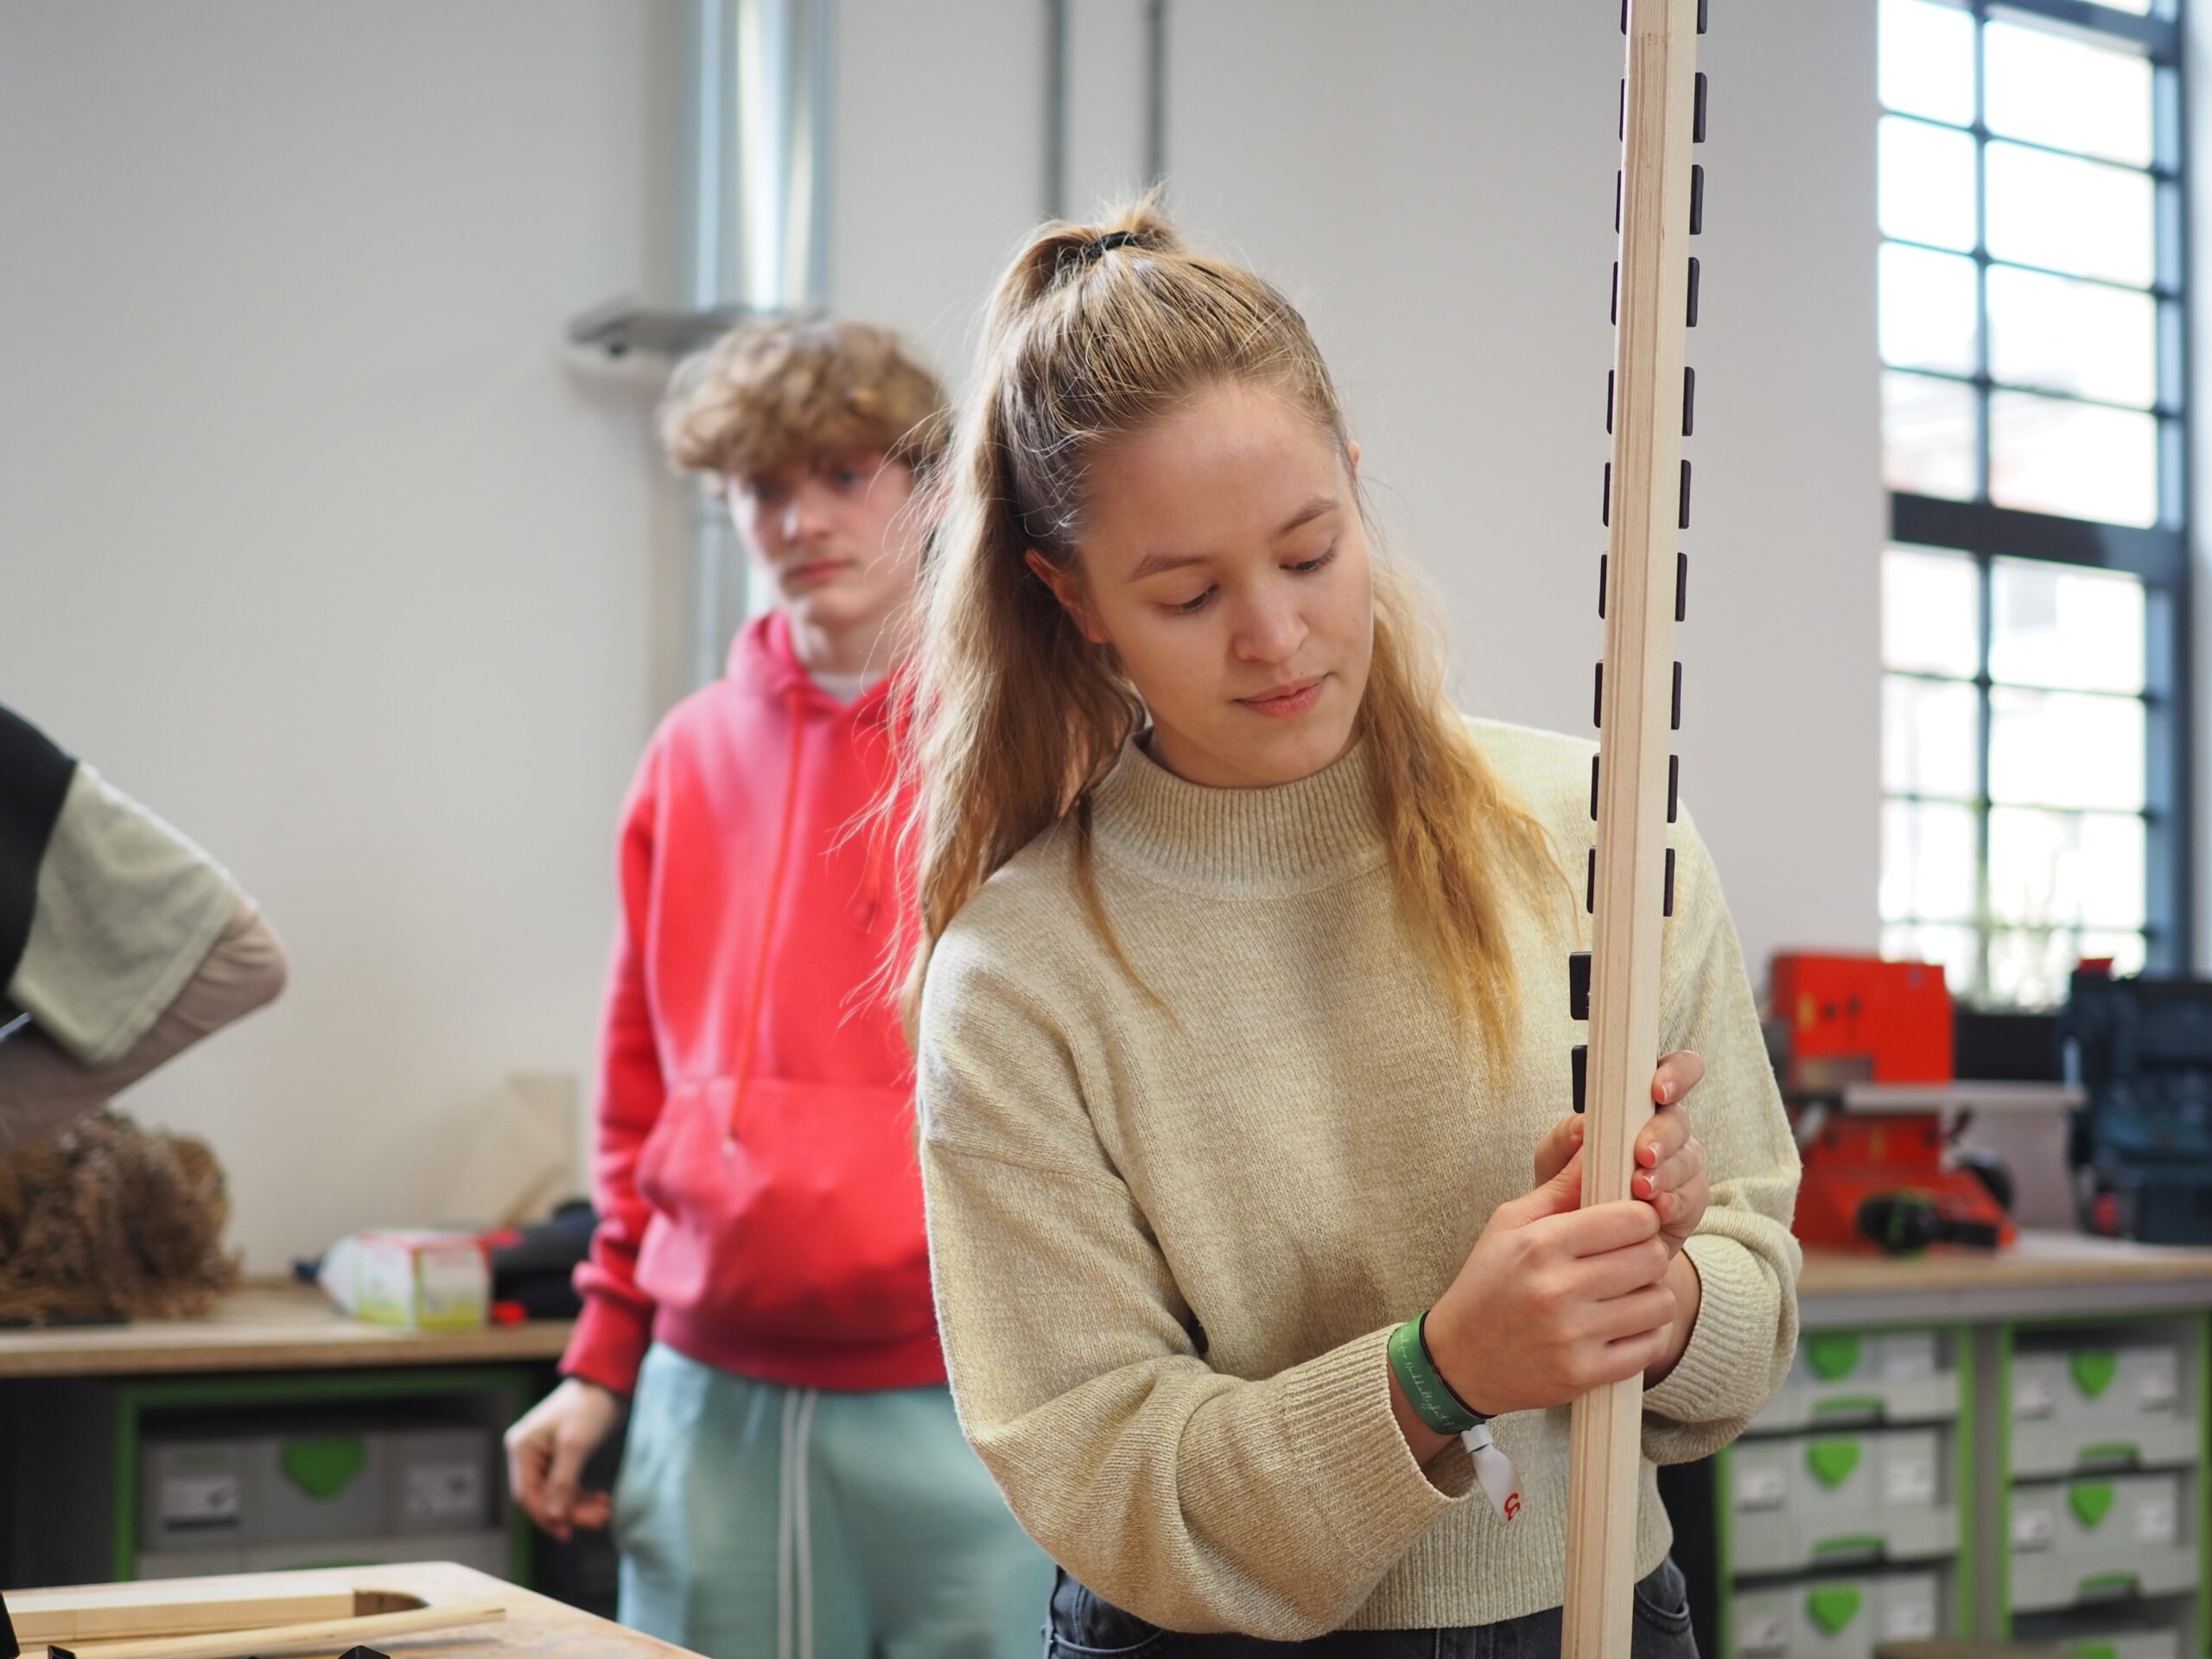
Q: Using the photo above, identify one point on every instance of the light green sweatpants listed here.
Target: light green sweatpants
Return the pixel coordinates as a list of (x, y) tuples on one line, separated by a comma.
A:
[(758, 1521)]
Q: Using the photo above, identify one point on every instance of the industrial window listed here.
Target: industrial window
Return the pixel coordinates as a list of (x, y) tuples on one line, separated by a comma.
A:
[(2034, 630)]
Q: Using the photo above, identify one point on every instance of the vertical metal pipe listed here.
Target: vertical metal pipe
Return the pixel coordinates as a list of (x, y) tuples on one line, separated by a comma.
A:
[(1055, 109), (1155, 92), (758, 229)]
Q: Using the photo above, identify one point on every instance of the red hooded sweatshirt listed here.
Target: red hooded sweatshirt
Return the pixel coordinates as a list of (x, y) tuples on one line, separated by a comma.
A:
[(755, 1173)]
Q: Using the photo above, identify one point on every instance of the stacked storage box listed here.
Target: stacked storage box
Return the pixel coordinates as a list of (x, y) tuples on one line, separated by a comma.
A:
[(2105, 1429), (258, 1502), (1842, 1502)]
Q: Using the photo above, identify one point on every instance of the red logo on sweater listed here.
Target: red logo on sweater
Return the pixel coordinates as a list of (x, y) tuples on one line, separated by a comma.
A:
[(1512, 1504)]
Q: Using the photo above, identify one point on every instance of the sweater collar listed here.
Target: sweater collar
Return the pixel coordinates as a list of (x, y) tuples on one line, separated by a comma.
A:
[(1289, 837)]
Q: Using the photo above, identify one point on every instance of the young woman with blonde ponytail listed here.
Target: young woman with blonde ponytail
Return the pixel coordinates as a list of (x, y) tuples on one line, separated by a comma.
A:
[(1242, 1028)]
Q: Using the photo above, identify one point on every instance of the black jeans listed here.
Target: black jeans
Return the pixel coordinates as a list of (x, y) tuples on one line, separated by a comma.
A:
[(1085, 1627)]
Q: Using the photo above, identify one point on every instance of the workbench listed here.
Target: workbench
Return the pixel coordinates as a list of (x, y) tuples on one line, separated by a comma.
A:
[(2045, 1275), (269, 1325), (536, 1627), (77, 1403)]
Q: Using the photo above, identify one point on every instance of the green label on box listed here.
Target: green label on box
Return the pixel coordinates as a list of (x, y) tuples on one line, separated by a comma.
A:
[(1832, 1461), (2091, 1501), (1833, 1355), (2093, 1371), (1835, 1607), (2095, 1650), (323, 1469)]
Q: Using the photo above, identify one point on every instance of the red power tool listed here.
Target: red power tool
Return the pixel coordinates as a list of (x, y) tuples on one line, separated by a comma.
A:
[(1865, 1067)]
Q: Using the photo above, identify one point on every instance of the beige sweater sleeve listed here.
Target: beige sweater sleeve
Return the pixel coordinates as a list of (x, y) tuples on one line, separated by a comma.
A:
[(1198, 1501), (1747, 1258)]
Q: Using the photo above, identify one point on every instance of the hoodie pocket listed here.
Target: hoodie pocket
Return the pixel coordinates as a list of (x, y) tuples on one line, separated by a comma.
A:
[(803, 1223)]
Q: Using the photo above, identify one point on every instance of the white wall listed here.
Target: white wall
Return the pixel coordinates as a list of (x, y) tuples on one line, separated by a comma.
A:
[(315, 538), (314, 535)]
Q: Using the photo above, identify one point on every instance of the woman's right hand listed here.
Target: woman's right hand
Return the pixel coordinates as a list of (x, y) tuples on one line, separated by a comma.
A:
[(547, 1449), (1554, 1300)]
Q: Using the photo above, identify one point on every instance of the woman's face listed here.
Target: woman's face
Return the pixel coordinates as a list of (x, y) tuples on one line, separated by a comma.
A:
[(1223, 559)]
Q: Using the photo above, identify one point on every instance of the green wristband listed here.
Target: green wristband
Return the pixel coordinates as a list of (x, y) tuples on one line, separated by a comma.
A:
[(1433, 1400)]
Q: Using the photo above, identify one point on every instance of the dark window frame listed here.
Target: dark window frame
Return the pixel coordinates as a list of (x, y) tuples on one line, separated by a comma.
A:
[(2158, 556)]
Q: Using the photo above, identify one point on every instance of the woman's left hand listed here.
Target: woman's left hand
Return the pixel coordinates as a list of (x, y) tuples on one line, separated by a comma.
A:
[(1670, 1171)]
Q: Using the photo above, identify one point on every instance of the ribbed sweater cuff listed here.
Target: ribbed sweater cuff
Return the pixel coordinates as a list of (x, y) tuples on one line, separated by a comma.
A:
[(1362, 1480), (1723, 1373)]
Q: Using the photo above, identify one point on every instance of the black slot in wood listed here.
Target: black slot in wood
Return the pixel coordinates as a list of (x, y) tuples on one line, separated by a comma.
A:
[(1678, 697), (1602, 557), (1692, 315), (1624, 17), (1697, 122), (1681, 586), (1578, 984), (1617, 201), (1684, 517), (1689, 399), (1700, 16), (1605, 512), (1623, 135), (1578, 1059), (1697, 199), (1593, 789), (1667, 909), (1590, 885), (1616, 318), (1609, 403), (1673, 786), (1598, 700)]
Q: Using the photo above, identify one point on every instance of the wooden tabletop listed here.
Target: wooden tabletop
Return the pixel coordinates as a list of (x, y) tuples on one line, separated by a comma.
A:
[(269, 1326), (2038, 1259), (2057, 1274), (536, 1627)]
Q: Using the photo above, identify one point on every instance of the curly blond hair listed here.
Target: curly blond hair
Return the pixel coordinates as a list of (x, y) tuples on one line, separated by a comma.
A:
[(771, 395)]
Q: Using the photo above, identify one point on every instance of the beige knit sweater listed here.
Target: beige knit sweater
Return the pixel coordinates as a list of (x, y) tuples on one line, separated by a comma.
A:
[(1169, 1245)]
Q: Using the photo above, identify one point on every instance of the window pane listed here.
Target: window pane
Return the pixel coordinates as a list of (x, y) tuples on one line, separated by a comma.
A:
[(1953, 948), (2067, 336), (2062, 91), (1929, 730), (2048, 455), (1928, 60), (2079, 217), (1931, 612), (1927, 184), (2030, 970), (1928, 429), (1929, 858), (2061, 626), (1928, 310), (2058, 748), (2066, 868)]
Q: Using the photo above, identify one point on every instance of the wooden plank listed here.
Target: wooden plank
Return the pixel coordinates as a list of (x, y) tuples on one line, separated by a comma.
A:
[(120, 1611), (1646, 496), (269, 1325), (329, 1633), (536, 1627)]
